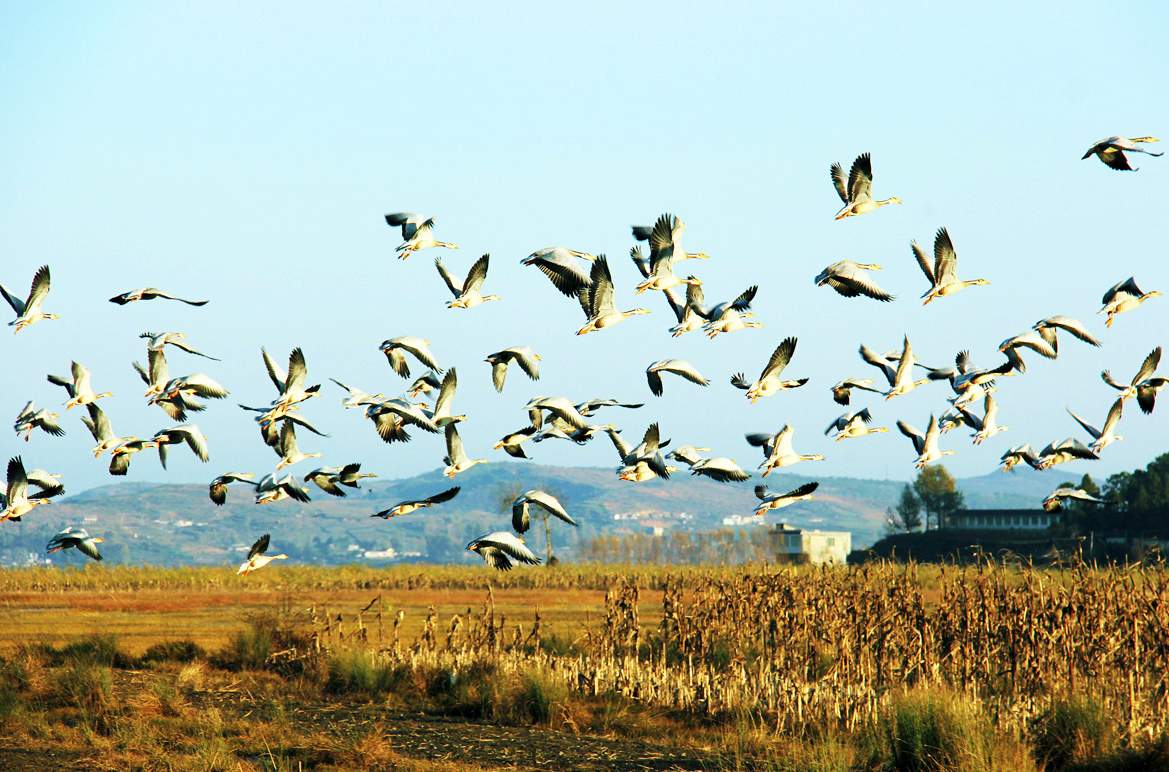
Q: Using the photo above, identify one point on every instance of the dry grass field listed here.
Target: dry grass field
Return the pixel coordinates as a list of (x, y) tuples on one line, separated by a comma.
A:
[(882, 667)]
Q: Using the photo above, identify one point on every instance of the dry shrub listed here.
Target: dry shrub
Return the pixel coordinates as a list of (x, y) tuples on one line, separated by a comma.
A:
[(174, 651)]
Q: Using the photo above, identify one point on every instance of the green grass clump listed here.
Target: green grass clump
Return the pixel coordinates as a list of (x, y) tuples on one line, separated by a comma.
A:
[(359, 671), (931, 731), (1071, 731)]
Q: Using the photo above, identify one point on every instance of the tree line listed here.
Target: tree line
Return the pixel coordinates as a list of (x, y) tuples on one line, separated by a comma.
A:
[(1134, 503)]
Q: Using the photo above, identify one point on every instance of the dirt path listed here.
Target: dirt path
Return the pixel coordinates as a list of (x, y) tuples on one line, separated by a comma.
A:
[(524, 747)]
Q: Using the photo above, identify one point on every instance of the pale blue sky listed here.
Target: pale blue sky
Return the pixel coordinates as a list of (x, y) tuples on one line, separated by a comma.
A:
[(246, 153)]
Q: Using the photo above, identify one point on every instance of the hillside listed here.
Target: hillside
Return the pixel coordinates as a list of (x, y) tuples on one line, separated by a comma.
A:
[(179, 525)]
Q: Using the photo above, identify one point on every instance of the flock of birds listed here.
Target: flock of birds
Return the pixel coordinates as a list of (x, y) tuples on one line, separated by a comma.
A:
[(558, 417)]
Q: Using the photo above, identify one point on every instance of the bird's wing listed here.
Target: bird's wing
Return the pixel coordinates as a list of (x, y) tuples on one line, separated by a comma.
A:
[(446, 495), (851, 281), (260, 547), (297, 371), (40, 288), (655, 381), (477, 275), (803, 490), (1113, 417), (552, 504), (452, 282), (913, 434), (446, 393), (686, 370), (526, 359), (923, 262), (513, 547), (1147, 393), (454, 444), (1148, 367), (194, 439), (520, 521), (779, 359), (16, 303), (601, 288), (1128, 286), (275, 371), (568, 277), (499, 373), (860, 177), (743, 301), (1074, 326), (837, 173), (87, 547), (945, 259)]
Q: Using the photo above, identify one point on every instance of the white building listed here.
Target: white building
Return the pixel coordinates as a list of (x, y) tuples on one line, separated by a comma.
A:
[(797, 545)]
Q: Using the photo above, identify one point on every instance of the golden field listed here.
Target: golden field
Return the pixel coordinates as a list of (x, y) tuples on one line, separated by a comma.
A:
[(882, 666)]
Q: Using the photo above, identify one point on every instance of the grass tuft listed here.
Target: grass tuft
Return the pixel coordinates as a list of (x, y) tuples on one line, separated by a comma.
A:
[(1073, 731)]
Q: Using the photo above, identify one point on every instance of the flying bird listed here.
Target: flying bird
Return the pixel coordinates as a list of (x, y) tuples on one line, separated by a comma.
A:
[(855, 424), (175, 435), (218, 487), (1048, 327), (663, 240), (396, 349), (160, 339), (681, 367), (30, 418), (1125, 296), (984, 427), (1106, 435), (769, 500), (721, 469), (926, 444), (598, 301), (468, 291), (849, 279), (520, 520), (29, 311), (1112, 151), (769, 381), (521, 355), (777, 449), (257, 557), (1023, 454), (270, 489), (942, 274), (410, 505), (78, 539), (563, 267), (16, 500), (456, 459), (1057, 499), (857, 196), (150, 293), (842, 392), (499, 549), (416, 230)]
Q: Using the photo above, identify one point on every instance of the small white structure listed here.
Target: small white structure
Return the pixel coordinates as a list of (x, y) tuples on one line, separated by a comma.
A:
[(797, 545)]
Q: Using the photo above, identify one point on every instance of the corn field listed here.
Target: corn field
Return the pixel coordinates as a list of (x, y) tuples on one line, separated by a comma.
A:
[(828, 647)]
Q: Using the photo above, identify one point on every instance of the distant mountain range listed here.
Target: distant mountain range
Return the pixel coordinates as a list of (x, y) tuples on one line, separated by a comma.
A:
[(179, 525)]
